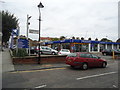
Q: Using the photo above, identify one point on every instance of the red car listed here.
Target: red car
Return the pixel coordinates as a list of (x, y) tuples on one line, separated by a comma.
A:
[(85, 60)]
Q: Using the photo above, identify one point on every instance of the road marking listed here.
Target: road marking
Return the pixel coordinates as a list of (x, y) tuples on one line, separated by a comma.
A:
[(37, 70), (95, 75), (114, 86), (42, 86)]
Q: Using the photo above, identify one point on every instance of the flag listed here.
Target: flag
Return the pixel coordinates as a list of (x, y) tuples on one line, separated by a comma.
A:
[(15, 32)]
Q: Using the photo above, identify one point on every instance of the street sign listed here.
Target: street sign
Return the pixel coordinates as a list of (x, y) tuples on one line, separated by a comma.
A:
[(23, 43), (33, 31)]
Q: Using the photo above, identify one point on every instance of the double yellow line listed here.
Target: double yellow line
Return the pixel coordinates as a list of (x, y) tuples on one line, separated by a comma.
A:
[(37, 70)]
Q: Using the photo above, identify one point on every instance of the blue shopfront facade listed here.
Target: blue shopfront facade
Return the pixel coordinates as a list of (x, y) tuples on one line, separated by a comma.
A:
[(75, 45)]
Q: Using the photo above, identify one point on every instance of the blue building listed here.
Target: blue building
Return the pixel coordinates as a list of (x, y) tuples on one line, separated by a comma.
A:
[(75, 45)]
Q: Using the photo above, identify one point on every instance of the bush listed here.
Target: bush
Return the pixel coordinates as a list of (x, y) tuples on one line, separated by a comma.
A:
[(20, 53)]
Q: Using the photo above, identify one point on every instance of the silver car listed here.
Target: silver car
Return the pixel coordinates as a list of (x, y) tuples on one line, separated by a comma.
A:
[(46, 50)]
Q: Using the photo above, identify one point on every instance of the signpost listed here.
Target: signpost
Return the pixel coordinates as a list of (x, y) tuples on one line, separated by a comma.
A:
[(23, 43)]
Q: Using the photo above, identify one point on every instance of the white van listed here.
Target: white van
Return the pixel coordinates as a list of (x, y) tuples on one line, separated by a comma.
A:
[(46, 50)]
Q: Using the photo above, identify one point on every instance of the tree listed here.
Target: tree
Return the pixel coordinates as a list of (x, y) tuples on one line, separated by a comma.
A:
[(105, 40), (118, 40), (62, 37), (54, 39), (82, 38), (89, 38), (96, 39), (73, 37), (9, 22), (77, 38)]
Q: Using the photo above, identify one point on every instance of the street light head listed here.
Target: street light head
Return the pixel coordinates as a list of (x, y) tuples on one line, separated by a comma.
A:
[(29, 17), (28, 23), (40, 5)]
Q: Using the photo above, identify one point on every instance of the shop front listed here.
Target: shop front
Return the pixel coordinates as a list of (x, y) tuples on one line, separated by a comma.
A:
[(82, 45)]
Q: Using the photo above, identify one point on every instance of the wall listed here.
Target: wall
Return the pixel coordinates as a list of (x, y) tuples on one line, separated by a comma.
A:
[(43, 60)]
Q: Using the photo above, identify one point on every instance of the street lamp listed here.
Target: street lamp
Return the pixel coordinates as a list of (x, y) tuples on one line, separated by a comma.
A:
[(28, 23), (39, 6)]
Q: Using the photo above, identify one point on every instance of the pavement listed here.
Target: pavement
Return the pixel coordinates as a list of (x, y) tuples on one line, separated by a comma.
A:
[(7, 65), (6, 61)]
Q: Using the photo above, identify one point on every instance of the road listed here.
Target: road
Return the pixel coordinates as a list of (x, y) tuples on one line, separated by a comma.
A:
[(64, 77)]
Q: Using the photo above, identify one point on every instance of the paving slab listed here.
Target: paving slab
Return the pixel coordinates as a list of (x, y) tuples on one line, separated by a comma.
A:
[(6, 63)]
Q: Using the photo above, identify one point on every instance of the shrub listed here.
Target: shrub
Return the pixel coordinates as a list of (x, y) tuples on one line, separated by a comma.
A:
[(20, 53)]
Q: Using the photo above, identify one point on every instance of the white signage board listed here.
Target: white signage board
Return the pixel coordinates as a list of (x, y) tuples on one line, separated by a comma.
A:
[(34, 31)]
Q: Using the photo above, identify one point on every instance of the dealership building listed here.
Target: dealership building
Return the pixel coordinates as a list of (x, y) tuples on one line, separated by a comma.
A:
[(75, 45)]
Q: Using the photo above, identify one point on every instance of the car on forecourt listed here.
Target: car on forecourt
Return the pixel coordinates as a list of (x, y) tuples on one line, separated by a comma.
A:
[(110, 52), (46, 50), (64, 52)]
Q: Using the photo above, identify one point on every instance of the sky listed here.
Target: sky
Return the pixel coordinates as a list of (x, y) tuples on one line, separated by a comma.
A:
[(79, 18)]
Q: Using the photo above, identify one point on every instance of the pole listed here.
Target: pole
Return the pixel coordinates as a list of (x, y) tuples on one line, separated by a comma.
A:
[(27, 31), (27, 25), (17, 39), (39, 6), (39, 35), (113, 55), (28, 17)]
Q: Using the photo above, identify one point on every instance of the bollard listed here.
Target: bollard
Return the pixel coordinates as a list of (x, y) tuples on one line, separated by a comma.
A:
[(113, 55)]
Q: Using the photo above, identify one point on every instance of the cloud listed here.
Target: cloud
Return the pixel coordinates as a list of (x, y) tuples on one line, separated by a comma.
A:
[(68, 17)]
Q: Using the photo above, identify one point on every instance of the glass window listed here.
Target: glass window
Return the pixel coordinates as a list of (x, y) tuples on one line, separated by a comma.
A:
[(85, 55), (94, 56), (65, 50), (88, 55), (72, 55), (43, 47)]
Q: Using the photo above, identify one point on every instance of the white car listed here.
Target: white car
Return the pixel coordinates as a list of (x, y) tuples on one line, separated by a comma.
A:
[(64, 52)]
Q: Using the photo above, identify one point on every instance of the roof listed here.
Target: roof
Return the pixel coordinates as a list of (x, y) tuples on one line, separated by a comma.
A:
[(79, 41), (45, 38)]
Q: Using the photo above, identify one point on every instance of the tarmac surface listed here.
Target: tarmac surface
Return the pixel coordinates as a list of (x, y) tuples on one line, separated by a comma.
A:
[(38, 66), (57, 75)]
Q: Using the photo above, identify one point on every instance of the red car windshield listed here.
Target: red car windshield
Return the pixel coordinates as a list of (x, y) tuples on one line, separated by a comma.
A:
[(72, 55)]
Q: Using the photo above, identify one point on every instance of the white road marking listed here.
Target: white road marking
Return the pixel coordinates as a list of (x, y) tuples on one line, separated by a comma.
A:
[(114, 86), (95, 75), (42, 86)]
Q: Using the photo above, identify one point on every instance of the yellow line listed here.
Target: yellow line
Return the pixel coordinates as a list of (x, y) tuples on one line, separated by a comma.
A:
[(37, 70)]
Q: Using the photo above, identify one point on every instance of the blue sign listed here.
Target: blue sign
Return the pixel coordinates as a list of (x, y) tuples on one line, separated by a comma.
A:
[(79, 41), (23, 43)]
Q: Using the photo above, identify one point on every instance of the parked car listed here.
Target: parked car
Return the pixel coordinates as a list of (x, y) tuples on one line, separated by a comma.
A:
[(64, 52), (85, 60), (118, 50), (110, 52), (46, 50), (32, 50)]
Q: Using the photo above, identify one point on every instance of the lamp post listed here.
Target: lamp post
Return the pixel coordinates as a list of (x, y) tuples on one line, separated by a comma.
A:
[(39, 6), (28, 23)]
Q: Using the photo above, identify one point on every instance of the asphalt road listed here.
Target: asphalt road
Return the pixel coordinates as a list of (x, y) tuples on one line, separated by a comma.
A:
[(65, 77)]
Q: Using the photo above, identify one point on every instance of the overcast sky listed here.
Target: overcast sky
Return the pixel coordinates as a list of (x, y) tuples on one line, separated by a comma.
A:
[(79, 18)]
